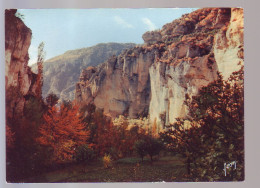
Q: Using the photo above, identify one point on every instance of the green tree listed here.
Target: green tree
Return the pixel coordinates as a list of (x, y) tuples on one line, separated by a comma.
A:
[(51, 99), (148, 145), (140, 148), (153, 146)]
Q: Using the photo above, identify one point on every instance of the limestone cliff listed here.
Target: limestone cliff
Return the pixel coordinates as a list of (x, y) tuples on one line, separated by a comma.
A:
[(153, 79), (19, 79), (229, 44), (119, 86)]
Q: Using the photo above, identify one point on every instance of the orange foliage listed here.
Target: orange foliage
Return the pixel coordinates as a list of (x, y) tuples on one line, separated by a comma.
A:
[(63, 131), (117, 140), (103, 137)]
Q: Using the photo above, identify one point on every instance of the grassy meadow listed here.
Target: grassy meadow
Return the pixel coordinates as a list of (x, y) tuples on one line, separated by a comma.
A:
[(168, 169)]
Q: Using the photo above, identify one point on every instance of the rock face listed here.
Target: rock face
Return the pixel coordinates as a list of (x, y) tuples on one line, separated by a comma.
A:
[(119, 86), (229, 44), (61, 73), (154, 79), (19, 79)]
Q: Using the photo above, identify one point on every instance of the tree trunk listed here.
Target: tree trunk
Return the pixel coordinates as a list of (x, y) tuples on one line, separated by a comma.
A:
[(188, 165)]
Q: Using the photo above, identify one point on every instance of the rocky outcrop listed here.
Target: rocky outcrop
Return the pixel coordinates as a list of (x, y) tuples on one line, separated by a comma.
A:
[(154, 79), (61, 73), (19, 79), (152, 37), (119, 86)]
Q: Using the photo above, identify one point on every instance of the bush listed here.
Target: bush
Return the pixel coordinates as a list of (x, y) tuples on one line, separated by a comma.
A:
[(107, 161), (84, 153)]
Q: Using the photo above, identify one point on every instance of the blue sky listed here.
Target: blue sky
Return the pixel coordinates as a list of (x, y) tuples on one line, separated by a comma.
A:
[(67, 29)]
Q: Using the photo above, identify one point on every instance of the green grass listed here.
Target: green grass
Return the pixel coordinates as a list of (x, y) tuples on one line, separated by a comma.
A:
[(123, 170)]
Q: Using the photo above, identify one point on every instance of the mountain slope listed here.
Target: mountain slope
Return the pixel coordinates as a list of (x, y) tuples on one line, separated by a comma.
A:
[(62, 72)]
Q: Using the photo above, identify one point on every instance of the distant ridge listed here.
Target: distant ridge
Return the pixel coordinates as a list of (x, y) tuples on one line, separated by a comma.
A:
[(61, 73)]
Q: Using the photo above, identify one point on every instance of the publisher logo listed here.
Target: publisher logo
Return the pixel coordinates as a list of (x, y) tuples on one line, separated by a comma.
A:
[(233, 164)]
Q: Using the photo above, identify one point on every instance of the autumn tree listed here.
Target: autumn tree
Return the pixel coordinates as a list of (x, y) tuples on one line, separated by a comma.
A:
[(103, 135), (115, 138), (63, 131), (216, 133), (126, 132), (100, 129)]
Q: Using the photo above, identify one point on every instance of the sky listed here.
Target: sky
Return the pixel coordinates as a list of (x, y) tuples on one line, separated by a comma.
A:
[(68, 29)]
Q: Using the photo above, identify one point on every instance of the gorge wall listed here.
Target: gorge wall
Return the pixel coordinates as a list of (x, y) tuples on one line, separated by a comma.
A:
[(153, 79), (20, 81)]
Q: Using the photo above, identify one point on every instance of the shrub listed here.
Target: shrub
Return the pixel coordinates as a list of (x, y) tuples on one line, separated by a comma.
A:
[(107, 161), (84, 153)]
